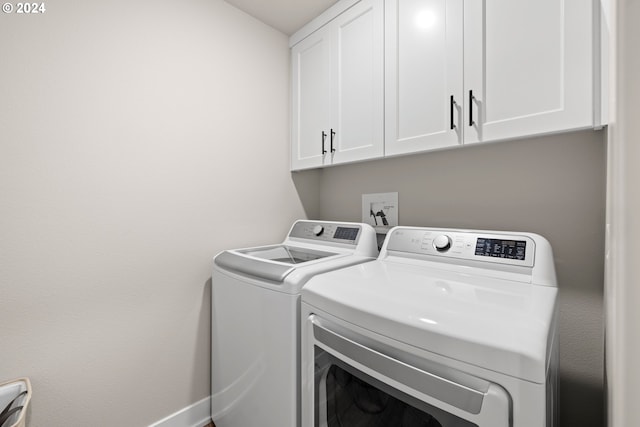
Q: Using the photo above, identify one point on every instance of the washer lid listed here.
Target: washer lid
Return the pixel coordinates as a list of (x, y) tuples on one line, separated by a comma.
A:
[(501, 325), (310, 248), (286, 254), (269, 262)]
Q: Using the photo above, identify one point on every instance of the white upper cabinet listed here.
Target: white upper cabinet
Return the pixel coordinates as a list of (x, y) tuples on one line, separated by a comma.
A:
[(358, 82), (375, 78), (529, 67), (423, 74), (311, 100), (459, 72), (338, 89)]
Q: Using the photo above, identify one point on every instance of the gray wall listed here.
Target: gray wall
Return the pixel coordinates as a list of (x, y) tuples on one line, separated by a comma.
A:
[(133, 138), (622, 294), (553, 185)]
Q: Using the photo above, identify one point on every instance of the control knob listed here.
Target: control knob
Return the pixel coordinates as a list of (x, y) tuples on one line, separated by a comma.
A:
[(318, 230), (442, 243)]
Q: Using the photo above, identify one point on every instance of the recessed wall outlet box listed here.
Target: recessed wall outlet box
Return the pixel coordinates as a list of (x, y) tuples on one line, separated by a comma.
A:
[(380, 210)]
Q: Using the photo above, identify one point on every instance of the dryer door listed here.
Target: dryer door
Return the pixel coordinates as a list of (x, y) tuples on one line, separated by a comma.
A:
[(356, 385)]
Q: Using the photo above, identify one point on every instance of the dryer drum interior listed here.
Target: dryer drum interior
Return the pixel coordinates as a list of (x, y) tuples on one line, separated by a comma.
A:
[(346, 396)]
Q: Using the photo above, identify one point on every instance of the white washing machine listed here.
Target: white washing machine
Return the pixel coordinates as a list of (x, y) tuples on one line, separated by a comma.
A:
[(446, 328), (255, 325)]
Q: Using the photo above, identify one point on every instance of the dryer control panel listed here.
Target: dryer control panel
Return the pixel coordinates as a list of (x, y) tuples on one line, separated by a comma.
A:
[(490, 246)]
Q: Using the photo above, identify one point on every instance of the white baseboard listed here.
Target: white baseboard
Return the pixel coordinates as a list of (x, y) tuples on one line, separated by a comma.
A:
[(196, 415)]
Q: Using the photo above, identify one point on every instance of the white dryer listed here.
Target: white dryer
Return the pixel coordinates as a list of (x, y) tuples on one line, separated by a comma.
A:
[(446, 328), (255, 319)]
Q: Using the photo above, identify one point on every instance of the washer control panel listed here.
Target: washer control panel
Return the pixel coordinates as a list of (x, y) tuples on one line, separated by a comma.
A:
[(326, 232), (492, 247)]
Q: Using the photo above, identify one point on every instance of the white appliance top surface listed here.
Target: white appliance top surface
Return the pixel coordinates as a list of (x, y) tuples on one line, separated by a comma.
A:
[(310, 248), (493, 323), (286, 254)]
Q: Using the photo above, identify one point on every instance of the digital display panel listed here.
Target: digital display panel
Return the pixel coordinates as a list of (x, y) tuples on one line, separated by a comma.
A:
[(500, 248), (346, 233)]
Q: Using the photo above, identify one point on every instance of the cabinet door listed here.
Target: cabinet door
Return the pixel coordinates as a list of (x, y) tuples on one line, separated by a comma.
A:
[(529, 66), (311, 93), (357, 107), (423, 71)]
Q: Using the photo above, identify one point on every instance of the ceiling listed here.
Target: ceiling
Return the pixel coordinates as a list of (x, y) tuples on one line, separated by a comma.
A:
[(287, 16)]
